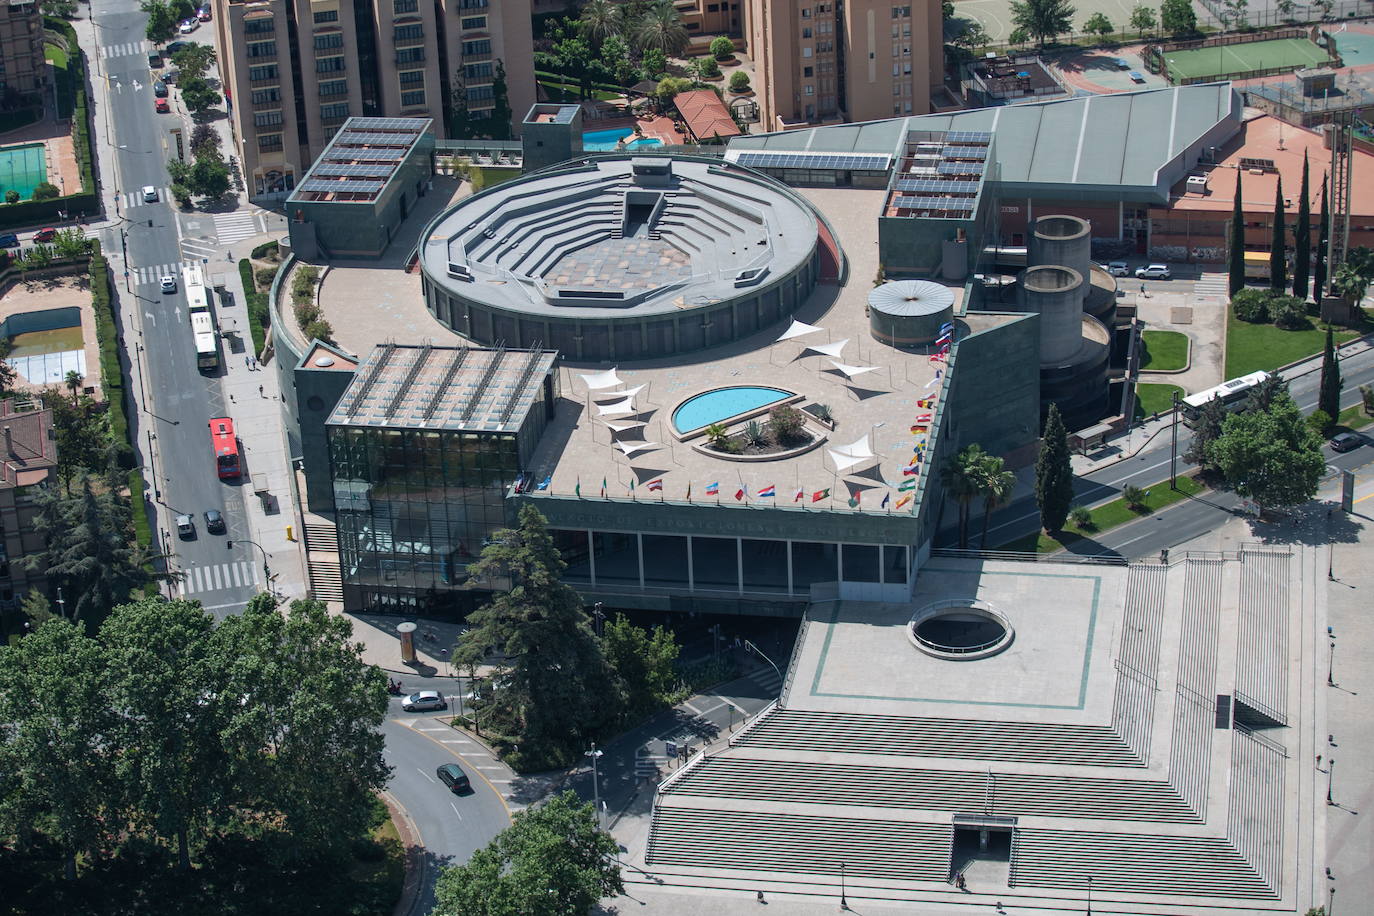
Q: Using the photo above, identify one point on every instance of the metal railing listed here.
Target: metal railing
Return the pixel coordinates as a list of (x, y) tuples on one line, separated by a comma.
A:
[(1022, 556)]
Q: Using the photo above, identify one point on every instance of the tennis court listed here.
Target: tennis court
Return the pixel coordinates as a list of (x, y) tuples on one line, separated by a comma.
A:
[(22, 169), (1250, 57)]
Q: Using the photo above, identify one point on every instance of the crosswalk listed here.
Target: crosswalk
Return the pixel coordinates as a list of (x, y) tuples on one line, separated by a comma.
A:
[(1212, 285), (199, 248), (124, 49), (154, 273), (233, 227), (135, 198), (200, 579)]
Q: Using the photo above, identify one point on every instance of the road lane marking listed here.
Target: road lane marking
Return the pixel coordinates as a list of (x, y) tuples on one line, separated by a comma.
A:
[(425, 775), (423, 733), (455, 810)]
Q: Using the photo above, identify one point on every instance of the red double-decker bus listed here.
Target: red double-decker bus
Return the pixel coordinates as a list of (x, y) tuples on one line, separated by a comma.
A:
[(226, 446)]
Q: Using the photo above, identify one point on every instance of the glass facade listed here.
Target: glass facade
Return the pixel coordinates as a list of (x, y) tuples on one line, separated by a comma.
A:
[(414, 506)]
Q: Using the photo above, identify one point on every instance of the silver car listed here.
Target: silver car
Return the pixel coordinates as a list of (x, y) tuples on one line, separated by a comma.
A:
[(424, 700), (1117, 268)]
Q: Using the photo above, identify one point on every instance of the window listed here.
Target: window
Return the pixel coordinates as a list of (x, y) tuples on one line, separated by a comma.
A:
[(264, 72), (324, 16), (475, 73), (713, 7), (806, 13), (267, 118), (410, 55), (477, 48), (474, 4), (265, 25), (262, 49), (325, 42), (481, 93), (269, 142), (329, 88), (266, 95), (407, 32), (806, 52), (404, 6), (335, 111), (473, 22), (810, 89), (413, 98), (807, 71), (411, 77), (481, 114), (329, 65), (806, 32), (901, 12)]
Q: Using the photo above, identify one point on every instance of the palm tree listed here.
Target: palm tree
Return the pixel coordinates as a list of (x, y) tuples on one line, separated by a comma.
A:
[(600, 20), (662, 28), (716, 435), (74, 380), (996, 484), (959, 478)]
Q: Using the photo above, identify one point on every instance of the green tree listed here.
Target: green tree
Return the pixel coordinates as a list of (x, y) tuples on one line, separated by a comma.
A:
[(1098, 24), (1054, 473), (1143, 20), (995, 485), (1235, 12), (1019, 36), (615, 58), (972, 36), (1286, 8), (45, 190), (574, 62), (82, 446), (500, 120), (1288, 312), (661, 29), (170, 767), (643, 661), (181, 194), (1267, 393), (1177, 17), (1206, 429), (194, 60), (739, 81), (553, 860), (9, 376), (198, 97), (961, 483), (1278, 237), (1043, 20), (60, 9), (722, 48), (162, 21), (600, 20), (1252, 305), (1323, 241), (71, 242), (654, 62), (54, 763), (1236, 243), (708, 68), (210, 176), (1302, 237), (1329, 391), (555, 690), (1270, 456), (1350, 284), (36, 610)]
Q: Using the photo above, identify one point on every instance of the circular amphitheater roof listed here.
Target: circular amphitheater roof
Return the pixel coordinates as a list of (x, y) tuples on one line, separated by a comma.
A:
[(911, 298)]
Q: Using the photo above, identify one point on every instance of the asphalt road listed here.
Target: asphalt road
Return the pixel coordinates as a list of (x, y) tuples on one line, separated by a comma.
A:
[(175, 398)]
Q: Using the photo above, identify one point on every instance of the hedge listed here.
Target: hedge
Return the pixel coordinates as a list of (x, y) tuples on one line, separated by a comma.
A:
[(263, 250), (107, 336), (259, 315)]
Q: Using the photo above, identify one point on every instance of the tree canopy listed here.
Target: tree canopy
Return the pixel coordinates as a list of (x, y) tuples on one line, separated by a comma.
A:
[(1043, 20), (1177, 17), (1054, 473), (1269, 455)]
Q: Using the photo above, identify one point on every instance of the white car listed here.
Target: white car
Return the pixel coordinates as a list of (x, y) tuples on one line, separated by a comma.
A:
[(189, 26), (1153, 272), (169, 284), (149, 194), (1117, 268), (425, 699)]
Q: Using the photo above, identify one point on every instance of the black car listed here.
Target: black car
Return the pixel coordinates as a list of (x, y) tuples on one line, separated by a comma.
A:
[(214, 521), (160, 89), (1344, 442), (452, 775)]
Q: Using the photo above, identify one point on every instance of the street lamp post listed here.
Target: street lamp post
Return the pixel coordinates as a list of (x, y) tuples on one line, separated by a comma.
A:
[(1090, 877), (596, 783), (1331, 664), (1330, 774), (759, 652), (1173, 447), (598, 618), (266, 573), (844, 901)]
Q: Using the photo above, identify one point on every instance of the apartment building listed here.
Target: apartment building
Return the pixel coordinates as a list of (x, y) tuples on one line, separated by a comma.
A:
[(860, 60), (22, 65), (297, 69), (28, 462)]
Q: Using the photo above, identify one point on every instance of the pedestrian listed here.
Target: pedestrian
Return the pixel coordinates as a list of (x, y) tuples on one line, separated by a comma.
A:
[(247, 363), (260, 391), (231, 397)]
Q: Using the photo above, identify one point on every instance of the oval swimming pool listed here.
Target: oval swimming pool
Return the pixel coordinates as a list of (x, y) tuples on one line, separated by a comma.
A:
[(721, 404), (603, 141)]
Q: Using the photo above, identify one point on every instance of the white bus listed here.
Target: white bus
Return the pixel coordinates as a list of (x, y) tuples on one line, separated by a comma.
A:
[(202, 318), (1231, 394)]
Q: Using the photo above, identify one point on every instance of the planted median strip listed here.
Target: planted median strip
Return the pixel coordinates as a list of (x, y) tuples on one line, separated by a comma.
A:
[(1108, 516)]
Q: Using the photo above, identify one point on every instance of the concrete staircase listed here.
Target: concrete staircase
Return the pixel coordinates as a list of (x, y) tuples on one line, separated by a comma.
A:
[(1262, 650), (322, 561)]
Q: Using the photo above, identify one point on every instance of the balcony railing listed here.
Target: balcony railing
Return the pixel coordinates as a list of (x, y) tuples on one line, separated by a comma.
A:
[(265, 83)]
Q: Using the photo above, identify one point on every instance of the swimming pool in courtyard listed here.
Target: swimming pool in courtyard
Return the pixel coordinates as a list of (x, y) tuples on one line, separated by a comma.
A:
[(601, 141), (722, 404)]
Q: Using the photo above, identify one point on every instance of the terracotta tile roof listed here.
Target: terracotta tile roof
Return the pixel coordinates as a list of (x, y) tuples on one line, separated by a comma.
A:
[(28, 452), (705, 114)]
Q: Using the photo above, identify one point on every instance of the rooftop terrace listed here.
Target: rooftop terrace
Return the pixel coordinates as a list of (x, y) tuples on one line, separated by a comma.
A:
[(363, 156)]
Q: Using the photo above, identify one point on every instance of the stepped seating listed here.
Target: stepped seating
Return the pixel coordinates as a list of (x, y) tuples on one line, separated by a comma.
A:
[(771, 841), (1017, 794), (913, 736), (1138, 656), (1254, 819), (1133, 863), (1190, 749), (1262, 649)]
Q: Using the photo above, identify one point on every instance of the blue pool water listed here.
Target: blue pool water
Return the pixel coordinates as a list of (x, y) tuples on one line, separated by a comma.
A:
[(721, 404), (608, 140)]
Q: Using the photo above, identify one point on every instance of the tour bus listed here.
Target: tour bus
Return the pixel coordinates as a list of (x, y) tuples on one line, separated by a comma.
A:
[(202, 318), (1231, 394), (226, 446)]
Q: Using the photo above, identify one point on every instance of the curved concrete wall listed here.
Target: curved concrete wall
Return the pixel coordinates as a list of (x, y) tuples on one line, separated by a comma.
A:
[(1056, 293), (1065, 240)]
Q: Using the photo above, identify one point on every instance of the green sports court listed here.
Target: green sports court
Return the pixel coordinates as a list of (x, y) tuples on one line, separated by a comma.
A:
[(22, 169), (1239, 59)]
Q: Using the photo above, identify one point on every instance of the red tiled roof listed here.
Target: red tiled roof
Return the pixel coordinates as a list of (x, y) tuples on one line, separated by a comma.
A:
[(705, 114)]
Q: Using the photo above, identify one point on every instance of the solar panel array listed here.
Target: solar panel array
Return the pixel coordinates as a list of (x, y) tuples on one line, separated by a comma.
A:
[(410, 126), (957, 204), (372, 155), (793, 160), (968, 136), (1266, 164), (354, 170), (363, 156), (361, 138), (935, 186), (965, 152), (956, 167), (342, 186)]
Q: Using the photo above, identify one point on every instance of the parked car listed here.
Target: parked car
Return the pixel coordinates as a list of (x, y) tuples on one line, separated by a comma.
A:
[(160, 89), (9, 240), (169, 283), (176, 46), (425, 699), (161, 106), (154, 59), (203, 14), (45, 235), (214, 521), (186, 527), (1344, 442), (1153, 272), (188, 26), (452, 775), (1117, 268)]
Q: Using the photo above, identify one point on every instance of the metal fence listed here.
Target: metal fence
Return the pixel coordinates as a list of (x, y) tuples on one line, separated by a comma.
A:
[(1287, 103), (1216, 14)]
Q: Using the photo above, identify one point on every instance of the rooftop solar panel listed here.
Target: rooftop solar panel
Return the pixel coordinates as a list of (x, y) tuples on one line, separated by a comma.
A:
[(410, 125), (965, 152), (961, 168), (378, 155), (794, 160), (341, 186), (959, 204), (935, 186), (354, 170), (362, 138)]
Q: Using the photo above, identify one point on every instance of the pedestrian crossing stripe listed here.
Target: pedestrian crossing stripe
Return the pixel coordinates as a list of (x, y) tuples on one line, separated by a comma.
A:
[(154, 273), (124, 49), (200, 579), (135, 198), (234, 227)]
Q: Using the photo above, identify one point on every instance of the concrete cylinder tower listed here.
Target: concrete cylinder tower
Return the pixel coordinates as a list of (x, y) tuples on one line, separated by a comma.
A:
[(1064, 240), (1055, 292)]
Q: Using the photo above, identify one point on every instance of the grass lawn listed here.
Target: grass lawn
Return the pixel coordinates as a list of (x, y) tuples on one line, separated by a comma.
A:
[(1352, 418), (1151, 399), (56, 55), (568, 92), (1108, 516), (1251, 347), (1164, 350)]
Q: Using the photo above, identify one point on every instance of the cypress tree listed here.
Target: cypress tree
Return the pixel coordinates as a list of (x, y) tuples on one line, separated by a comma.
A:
[(1329, 394), (1054, 474), (1237, 251), (1302, 237), (1323, 240), (1278, 267)]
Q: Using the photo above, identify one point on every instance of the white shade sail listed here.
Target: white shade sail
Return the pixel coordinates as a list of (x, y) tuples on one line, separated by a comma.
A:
[(851, 371), (848, 456), (623, 425), (829, 349), (607, 410), (598, 380), (798, 329), (619, 394), (629, 448)]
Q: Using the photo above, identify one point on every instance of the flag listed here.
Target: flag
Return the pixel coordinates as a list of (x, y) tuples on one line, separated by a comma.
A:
[(926, 403), (689, 491), (911, 469), (603, 487), (820, 495), (920, 428), (800, 494), (923, 418), (766, 492), (739, 494), (938, 373), (632, 486), (656, 484), (544, 484), (577, 490), (886, 498), (947, 326), (713, 489), (854, 498), (903, 501), (907, 485)]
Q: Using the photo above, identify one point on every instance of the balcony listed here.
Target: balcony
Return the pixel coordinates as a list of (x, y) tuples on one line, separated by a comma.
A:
[(266, 83)]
